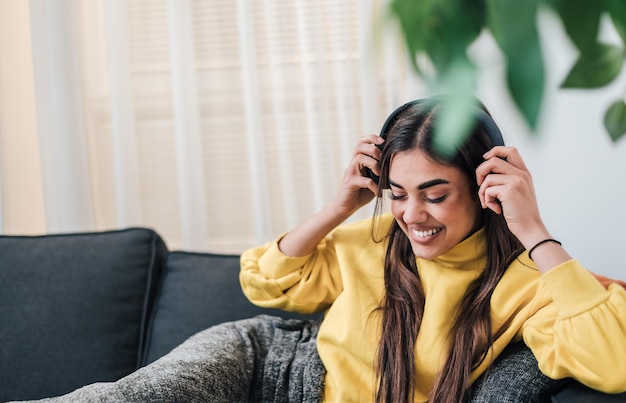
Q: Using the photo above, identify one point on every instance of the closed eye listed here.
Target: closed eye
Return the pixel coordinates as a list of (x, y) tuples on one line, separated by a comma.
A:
[(395, 197), (435, 200)]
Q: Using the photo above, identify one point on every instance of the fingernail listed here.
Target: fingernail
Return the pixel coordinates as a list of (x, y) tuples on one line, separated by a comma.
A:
[(379, 139)]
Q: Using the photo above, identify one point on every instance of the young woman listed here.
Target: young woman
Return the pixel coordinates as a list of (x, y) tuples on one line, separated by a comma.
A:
[(421, 301), (418, 303)]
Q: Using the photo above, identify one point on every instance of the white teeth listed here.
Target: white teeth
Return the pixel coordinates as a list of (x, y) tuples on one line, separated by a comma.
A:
[(426, 233)]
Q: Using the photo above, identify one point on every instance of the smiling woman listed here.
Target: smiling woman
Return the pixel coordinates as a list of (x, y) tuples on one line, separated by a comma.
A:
[(426, 304), (445, 284)]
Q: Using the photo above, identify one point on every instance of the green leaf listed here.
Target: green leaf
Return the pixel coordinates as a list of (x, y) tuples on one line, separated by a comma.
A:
[(457, 115), (415, 18), (581, 20), (513, 26), (459, 22), (617, 10), (615, 120), (453, 127), (441, 29), (596, 68), (511, 21), (525, 79)]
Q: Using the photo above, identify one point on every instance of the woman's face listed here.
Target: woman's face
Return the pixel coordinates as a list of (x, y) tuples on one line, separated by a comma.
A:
[(432, 203)]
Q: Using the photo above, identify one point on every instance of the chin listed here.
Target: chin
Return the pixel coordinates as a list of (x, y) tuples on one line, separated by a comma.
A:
[(423, 253)]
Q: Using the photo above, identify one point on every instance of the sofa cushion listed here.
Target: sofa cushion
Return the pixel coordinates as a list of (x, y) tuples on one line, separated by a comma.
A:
[(199, 290), (73, 308)]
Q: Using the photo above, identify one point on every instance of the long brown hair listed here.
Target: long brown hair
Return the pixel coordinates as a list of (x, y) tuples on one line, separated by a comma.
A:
[(403, 306)]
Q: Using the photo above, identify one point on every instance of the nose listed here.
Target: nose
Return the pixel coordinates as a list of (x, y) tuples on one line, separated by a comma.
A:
[(415, 212)]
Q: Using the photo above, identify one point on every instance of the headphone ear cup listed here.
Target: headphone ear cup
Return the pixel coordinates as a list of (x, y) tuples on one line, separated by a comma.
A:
[(387, 125), (369, 172)]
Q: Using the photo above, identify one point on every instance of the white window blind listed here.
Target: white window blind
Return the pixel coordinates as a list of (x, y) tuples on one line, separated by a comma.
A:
[(285, 89)]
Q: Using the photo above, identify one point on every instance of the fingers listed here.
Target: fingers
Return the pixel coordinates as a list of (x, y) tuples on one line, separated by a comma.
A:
[(501, 175), (508, 154), (607, 281), (372, 139), (368, 145), (364, 182), (358, 188), (501, 160), (367, 154), (505, 187), (494, 192), (363, 162)]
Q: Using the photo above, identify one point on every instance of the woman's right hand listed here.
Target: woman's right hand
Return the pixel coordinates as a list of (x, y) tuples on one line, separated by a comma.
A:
[(357, 188)]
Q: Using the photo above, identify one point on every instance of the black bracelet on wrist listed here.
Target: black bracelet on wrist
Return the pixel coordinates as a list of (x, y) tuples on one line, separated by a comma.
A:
[(530, 251)]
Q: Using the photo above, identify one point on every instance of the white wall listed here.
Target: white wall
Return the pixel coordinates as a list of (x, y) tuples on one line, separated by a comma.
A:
[(579, 173)]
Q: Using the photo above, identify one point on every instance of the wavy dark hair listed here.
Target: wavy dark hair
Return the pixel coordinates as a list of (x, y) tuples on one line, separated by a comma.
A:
[(402, 309)]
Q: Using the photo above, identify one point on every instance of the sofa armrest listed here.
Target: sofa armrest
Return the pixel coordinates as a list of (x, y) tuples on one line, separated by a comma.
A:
[(515, 377), (74, 308)]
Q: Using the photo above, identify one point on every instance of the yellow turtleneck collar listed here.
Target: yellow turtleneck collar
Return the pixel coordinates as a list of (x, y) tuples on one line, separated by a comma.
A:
[(469, 254)]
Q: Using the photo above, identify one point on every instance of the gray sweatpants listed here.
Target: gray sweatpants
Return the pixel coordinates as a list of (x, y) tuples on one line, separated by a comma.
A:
[(268, 359), (260, 359)]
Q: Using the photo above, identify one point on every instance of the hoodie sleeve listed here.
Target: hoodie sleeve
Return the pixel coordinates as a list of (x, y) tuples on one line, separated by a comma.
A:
[(582, 333), (303, 284)]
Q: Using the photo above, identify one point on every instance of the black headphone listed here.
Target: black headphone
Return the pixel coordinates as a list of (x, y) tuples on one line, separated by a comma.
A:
[(482, 117)]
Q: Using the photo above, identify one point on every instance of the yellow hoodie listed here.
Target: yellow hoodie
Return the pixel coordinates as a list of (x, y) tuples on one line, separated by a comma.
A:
[(574, 326)]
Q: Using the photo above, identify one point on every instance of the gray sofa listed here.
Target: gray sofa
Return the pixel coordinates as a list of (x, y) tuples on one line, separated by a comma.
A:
[(90, 307)]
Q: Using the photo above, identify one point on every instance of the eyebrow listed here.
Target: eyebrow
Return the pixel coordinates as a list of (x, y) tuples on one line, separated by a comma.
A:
[(424, 185)]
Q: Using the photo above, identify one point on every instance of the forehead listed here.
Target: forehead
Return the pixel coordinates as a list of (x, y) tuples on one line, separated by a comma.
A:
[(412, 167)]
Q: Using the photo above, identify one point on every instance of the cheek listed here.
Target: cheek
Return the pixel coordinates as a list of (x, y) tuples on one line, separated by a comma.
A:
[(466, 214), (448, 216), (396, 210), (456, 214)]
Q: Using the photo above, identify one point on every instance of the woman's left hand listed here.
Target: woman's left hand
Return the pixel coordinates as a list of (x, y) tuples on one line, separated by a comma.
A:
[(607, 281), (506, 188)]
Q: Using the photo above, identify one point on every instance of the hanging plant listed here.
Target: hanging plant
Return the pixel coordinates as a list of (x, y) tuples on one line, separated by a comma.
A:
[(442, 31)]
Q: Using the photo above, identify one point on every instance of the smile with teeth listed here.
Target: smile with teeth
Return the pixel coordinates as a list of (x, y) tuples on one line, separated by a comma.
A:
[(423, 234)]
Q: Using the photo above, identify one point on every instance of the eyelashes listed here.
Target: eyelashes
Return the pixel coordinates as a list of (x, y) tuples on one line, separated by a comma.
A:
[(436, 200), (394, 197), (426, 199)]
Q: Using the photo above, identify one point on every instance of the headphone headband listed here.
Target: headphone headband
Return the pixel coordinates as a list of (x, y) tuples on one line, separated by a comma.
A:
[(482, 117), (495, 136)]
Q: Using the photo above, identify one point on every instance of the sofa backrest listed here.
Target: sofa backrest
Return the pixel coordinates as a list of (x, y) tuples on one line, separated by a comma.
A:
[(199, 290), (74, 308), (93, 307)]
